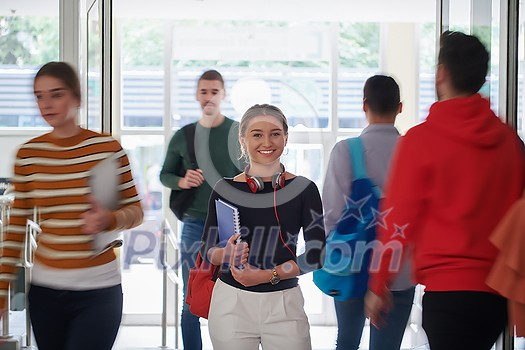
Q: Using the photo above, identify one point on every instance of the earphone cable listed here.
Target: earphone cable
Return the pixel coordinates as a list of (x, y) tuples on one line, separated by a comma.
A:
[(279, 221)]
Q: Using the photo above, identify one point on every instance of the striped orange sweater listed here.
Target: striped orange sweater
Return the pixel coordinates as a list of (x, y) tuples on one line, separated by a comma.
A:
[(53, 176)]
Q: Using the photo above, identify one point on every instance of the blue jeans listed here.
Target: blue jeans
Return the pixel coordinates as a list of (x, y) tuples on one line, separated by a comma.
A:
[(351, 320), (75, 320), (190, 244)]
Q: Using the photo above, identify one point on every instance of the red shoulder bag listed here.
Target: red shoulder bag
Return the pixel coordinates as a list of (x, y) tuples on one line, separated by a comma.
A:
[(200, 286)]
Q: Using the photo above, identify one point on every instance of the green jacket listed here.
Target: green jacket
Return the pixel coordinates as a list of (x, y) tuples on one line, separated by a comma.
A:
[(217, 152)]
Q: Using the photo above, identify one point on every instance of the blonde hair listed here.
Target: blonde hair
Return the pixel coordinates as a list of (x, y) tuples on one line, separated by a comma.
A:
[(258, 110)]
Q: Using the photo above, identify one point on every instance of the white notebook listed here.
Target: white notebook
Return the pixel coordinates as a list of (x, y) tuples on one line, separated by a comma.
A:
[(228, 220), (104, 179)]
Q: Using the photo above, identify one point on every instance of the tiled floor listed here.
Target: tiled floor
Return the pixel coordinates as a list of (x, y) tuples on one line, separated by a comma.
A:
[(323, 338), (150, 337), (142, 337)]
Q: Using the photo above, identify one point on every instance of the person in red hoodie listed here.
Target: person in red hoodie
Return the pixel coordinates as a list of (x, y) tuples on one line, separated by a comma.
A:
[(453, 178)]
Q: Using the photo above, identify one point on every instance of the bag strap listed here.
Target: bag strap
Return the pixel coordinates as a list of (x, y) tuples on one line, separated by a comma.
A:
[(216, 269), (198, 260), (189, 135), (357, 159), (215, 272)]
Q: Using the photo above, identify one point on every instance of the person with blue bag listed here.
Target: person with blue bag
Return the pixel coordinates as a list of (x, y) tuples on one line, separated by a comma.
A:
[(356, 173)]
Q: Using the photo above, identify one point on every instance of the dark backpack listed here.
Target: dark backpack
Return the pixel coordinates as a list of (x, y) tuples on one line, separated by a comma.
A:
[(344, 273), (180, 200)]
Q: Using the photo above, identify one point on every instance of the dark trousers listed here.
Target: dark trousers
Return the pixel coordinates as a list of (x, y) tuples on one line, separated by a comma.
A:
[(463, 319), (75, 320)]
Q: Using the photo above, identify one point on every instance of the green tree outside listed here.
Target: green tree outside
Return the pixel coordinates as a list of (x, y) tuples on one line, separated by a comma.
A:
[(28, 41)]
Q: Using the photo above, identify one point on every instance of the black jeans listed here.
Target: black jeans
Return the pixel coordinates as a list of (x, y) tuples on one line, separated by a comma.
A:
[(463, 319), (75, 320)]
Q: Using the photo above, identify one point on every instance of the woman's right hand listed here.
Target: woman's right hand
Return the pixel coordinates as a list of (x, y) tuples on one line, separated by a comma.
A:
[(193, 178), (96, 219), (236, 251)]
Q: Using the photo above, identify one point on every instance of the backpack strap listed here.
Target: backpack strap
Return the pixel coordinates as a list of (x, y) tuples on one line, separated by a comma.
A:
[(357, 159), (189, 135)]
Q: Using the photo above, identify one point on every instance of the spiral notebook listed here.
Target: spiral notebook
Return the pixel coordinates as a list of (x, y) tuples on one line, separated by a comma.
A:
[(228, 221)]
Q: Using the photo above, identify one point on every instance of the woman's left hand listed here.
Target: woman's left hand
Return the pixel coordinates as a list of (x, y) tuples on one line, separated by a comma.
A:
[(96, 219), (250, 275)]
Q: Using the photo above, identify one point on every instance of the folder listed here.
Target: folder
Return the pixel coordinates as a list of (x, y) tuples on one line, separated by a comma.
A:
[(104, 179), (228, 220)]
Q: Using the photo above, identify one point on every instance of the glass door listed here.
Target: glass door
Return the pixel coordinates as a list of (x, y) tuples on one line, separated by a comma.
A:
[(96, 64), (142, 126), (93, 62), (483, 19), (520, 125)]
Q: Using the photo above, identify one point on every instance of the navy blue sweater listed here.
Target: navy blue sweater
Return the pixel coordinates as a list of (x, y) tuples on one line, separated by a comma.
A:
[(272, 237)]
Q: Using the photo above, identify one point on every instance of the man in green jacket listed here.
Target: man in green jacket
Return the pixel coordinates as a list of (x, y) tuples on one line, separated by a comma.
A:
[(216, 152)]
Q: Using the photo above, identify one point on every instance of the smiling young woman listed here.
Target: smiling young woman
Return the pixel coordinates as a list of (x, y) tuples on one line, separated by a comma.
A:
[(257, 299)]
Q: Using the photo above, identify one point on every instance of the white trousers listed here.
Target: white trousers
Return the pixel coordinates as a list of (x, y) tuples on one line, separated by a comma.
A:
[(241, 320)]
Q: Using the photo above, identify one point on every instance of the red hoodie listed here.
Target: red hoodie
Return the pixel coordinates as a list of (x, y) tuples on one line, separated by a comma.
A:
[(453, 178)]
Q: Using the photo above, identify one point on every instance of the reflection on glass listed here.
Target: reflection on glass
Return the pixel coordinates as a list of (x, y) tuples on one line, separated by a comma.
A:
[(94, 69)]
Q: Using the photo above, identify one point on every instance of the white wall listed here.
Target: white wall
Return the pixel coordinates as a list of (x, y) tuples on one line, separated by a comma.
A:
[(400, 59)]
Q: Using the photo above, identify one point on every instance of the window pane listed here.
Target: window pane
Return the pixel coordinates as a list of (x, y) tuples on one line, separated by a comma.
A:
[(281, 63), (142, 74), (358, 60), (94, 68), (484, 22), (427, 68), (521, 75), (27, 42), (305, 160), (140, 253)]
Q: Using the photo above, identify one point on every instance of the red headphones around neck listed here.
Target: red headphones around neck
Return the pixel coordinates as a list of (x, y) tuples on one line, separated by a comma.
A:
[(256, 183)]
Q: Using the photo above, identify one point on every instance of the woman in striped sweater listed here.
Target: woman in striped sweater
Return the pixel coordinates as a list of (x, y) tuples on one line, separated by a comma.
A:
[(75, 299)]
